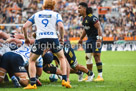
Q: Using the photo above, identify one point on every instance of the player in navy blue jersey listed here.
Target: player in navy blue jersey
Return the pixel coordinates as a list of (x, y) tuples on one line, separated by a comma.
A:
[(93, 30)]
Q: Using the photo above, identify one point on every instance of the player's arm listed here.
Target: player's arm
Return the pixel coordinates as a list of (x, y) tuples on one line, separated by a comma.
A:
[(59, 22), (61, 31), (82, 37), (27, 25), (99, 37), (39, 71), (4, 35), (99, 29), (17, 41), (19, 36)]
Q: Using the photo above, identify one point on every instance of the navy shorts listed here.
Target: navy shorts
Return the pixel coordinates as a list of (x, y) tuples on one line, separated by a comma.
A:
[(91, 47), (69, 54), (46, 43), (12, 63)]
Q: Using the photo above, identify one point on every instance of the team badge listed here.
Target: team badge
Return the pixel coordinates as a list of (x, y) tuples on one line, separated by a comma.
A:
[(34, 49)]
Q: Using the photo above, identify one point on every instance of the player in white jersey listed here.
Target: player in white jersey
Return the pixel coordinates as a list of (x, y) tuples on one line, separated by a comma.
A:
[(14, 63), (46, 38)]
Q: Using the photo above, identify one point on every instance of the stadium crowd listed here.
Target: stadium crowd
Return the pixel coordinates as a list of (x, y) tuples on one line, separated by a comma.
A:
[(18, 11)]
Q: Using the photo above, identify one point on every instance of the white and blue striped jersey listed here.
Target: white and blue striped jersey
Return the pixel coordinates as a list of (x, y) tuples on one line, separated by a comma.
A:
[(45, 22), (4, 48), (24, 51)]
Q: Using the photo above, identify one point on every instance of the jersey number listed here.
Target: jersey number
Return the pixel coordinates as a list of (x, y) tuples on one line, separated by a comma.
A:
[(45, 22)]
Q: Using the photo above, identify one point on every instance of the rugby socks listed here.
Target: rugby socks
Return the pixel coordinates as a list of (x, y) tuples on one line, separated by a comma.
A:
[(99, 68), (79, 72), (89, 73), (33, 81), (17, 78), (64, 77), (37, 77)]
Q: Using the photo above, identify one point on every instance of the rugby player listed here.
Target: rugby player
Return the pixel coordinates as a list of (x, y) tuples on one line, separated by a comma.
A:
[(71, 58), (46, 21), (14, 63), (93, 30)]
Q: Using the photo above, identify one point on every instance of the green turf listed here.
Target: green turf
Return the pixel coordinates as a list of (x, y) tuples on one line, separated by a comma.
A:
[(119, 72)]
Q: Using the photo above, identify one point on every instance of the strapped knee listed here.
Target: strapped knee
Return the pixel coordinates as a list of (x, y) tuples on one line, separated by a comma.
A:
[(89, 58)]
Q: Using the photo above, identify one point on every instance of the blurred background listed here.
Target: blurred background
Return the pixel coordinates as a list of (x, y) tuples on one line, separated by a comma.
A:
[(117, 17)]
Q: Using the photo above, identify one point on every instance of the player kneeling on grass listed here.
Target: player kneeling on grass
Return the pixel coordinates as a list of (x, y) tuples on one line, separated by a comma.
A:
[(47, 66), (75, 67), (15, 62), (71, 58)]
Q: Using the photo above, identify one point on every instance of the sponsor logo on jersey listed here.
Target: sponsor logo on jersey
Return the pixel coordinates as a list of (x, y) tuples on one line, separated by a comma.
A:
[(21, 68), (44, 16), (46, 33)]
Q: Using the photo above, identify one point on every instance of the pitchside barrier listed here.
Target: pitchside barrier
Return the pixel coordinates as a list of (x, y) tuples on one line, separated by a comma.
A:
[(110, 44)]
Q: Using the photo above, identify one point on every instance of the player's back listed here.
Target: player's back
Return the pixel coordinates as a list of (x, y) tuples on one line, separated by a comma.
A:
[(46, 21)]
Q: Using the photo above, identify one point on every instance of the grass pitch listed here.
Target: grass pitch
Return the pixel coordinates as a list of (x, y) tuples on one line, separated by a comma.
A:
[(119, 73)]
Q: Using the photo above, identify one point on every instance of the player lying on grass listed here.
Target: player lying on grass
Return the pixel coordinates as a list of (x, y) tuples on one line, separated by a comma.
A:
[(15, 62)]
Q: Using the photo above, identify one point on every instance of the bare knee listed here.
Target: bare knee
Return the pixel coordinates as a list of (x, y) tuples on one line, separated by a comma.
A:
[(2, 74), (24, 81)]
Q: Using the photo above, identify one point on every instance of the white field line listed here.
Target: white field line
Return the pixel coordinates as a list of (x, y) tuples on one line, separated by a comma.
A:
[(56, 85), (118, 65)]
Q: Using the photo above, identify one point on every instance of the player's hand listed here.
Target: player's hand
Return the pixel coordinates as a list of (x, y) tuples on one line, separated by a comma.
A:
[(80, 42), (34, 35), (27, 41), (61, 41), (98, 43)]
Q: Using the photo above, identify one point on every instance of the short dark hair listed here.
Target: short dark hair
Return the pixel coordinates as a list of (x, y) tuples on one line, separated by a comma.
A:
[(83, 4), (89, 11)]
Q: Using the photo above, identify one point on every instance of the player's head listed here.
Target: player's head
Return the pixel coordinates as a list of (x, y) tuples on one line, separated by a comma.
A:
[(82, 8), (47, 58), (48, 4)]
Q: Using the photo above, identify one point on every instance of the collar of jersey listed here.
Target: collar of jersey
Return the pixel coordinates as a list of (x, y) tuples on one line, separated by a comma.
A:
[(48, 9), (90, 15)]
